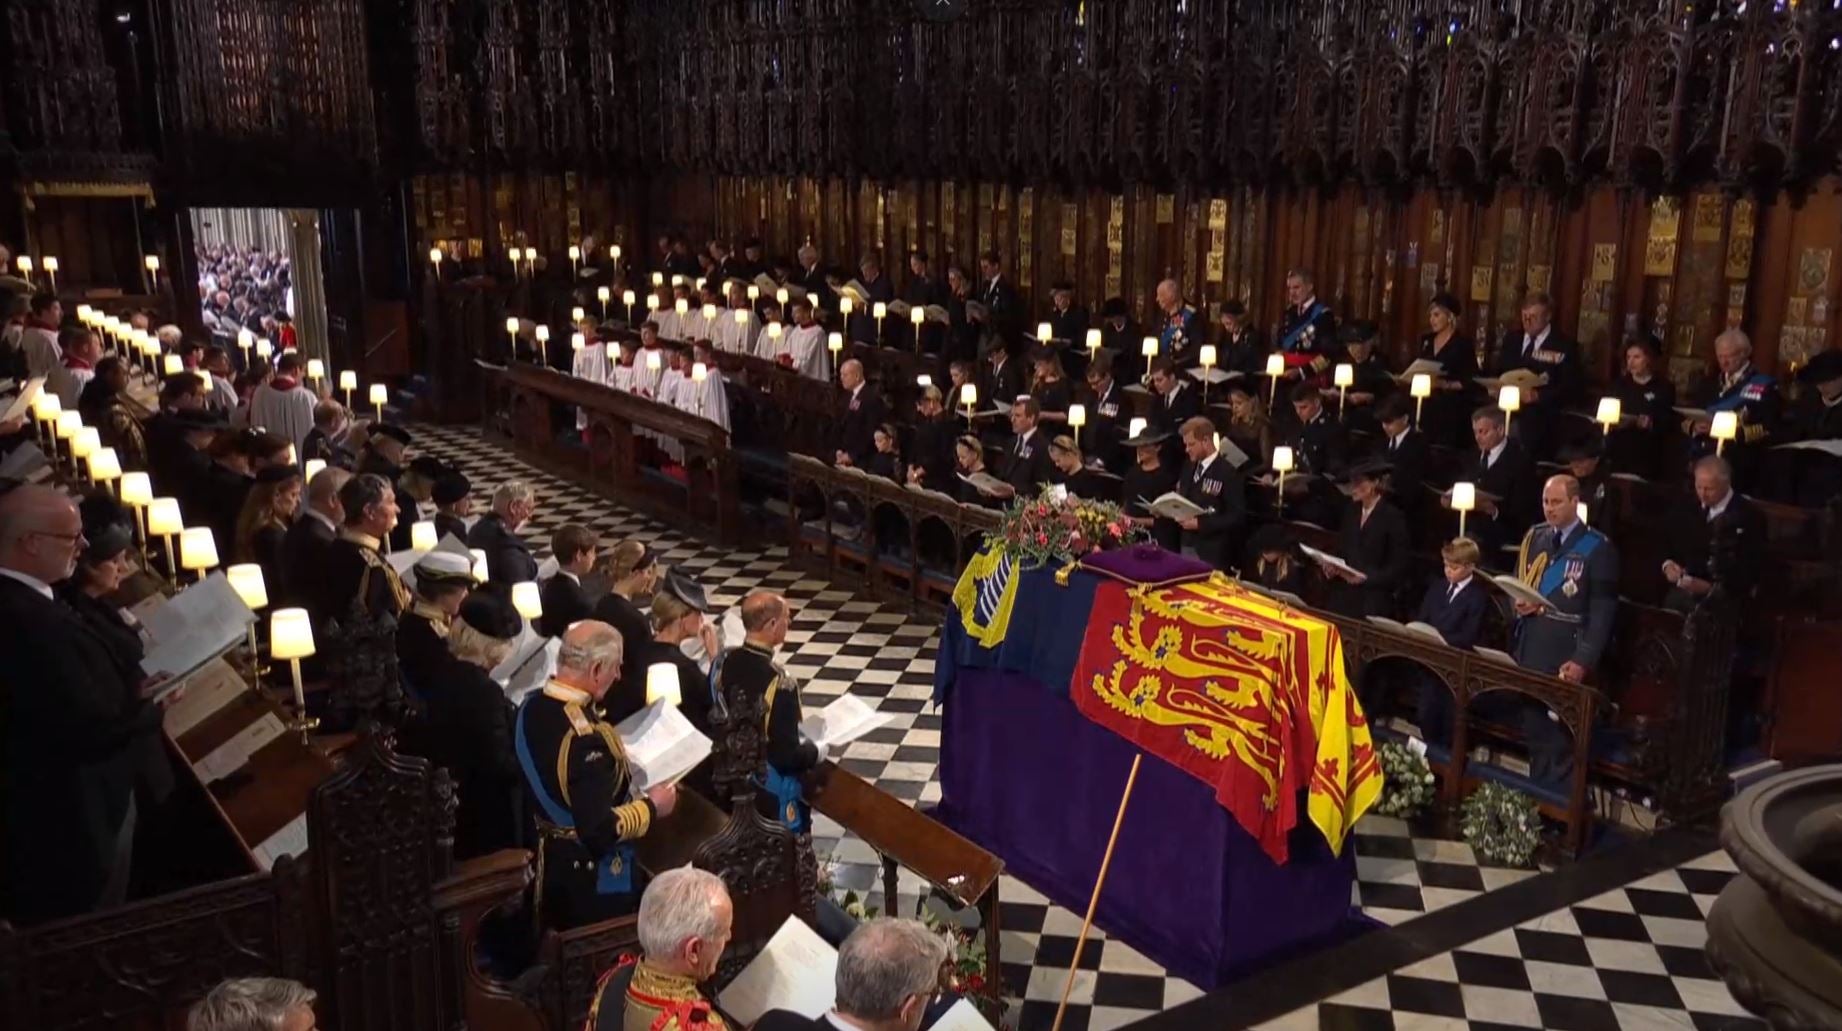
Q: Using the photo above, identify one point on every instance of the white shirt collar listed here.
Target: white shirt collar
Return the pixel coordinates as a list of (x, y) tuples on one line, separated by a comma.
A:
[(1491, 456), (1452, 589), (1401, 436), (1027, 434), (832, 1018), (1532, 342), (1715, 510), (856, 390), (1308, 303), (29, 580), (1202, 467)]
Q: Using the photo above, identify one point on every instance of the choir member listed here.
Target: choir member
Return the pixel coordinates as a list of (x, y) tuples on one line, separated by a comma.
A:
[(588, 812), (1455, 605), (1647, 407), (1027, 465), (1209, 482), (737, 335), (644, 376), (1540, 348), (802, 349), (468, 728), (1446, 419), (1373, 540), (1307, 327), (82, 350), (1716, 540), (767, 340), (508, 557), (284, 405), (575, 548)]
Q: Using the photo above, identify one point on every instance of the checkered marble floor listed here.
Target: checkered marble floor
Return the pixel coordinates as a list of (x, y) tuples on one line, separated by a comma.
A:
[(1541, 974)]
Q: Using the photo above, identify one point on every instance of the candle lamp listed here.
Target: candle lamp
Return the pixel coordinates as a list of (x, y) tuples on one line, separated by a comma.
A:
[(435, 260), (246, 579), (1044, 332), (152, 264), (923, 381), (614, 252), (422, 535), (662, 684), (1135, 427), (511, 330), (1509, 399), (1343, 377), (658, 279), (969, 396), (316, 371), (105, 467), (527, 600), (265, 348), (84, 443), (682, 306), (24, 264), (754, 293), (652, 303), (576, 315), (1464, 499), (246, 340), (1275, 370), (878, 311), (348, 382), (1723, 427), (1282, 464), (45, 411), (604, 295), (379, 394), (575, 258), (172, 365), (313, 468), (577, 342), (781, 295), (626, 299), (1611, 410), (51, 272), (291, 640), (163, 521), (709, 314), (479, 564), (1207, 354), (917, 316), (136, 491), (543, 336), (1420, 389), (1094, 337), (653, 363), (197, 550), (1077, 418)]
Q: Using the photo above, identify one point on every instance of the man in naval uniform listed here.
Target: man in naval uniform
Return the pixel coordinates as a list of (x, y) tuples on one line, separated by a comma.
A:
[(1181, 337), (1575, 567), (589, 813), (355, 571), (751, 668), (1307, 328), (1753, 398), (684, 926)]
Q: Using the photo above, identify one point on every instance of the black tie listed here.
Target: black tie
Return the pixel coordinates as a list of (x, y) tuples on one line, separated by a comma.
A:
[(1451, 592)]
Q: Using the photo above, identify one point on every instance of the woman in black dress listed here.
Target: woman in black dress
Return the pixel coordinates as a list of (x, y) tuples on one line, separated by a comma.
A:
[(1148, 478), (1051, 388), (633, 574), (469, 727), (267, 513), (1447, 413), (1072, 473), (1647, 400)]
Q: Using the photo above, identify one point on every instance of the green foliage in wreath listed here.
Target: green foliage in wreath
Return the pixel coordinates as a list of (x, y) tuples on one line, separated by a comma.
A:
[(1407, 782), (1502, 825)]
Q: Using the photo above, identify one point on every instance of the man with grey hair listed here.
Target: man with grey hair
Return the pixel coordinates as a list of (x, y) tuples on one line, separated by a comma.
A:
[(1718, 540), (589, 809), (80, 744), (684, 926), (255, 1004), (355, 571), (304, 547), (888, 974), (1181, 333), (508, 557), (1752, 396)]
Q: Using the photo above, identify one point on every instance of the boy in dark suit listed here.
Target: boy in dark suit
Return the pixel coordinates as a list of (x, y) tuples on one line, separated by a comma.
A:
[(1455, 606), (564, 600)]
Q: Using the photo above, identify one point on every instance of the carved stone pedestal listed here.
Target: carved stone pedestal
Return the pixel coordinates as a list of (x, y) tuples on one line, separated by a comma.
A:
[(1775, 933)]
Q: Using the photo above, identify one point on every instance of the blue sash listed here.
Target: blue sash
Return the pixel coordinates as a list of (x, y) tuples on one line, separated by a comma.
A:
[(1556, 570), (789, 800), (1290, 342), (613, 874)]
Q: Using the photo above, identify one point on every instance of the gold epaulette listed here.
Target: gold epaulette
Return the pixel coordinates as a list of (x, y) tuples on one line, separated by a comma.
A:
[(578, 719), (633, 819)]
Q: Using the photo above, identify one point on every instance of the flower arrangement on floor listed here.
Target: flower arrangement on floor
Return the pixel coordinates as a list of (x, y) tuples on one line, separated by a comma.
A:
[(965, 972), (1502, 825), (1407, 782), (1055, 527)]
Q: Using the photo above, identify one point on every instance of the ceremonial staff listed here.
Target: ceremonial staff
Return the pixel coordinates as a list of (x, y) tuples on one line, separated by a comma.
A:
[(1087, 922)]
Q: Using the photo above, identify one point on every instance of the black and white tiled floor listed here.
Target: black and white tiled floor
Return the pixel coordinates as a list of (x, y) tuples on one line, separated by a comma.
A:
[(1628, 958)]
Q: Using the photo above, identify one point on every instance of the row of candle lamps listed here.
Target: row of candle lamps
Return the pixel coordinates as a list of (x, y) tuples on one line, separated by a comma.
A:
[(49, 263)]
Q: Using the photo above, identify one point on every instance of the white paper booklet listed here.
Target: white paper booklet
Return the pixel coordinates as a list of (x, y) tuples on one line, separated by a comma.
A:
[(661, 745), (1519, 591), (796, 971), (532, 661), (289, 841), (1173, 505), (21, 404), (842, 722), (1828, 447), (986, 483), (199, 624), (961, 1016), (234, 754), (208, 690), (1333, 562), (1426, 629), (1495, 656), (1232, 452), (1213, 375), (25, 462)]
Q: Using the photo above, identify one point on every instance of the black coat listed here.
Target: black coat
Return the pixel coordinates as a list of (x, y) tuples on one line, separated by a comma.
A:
[(1513, 479), (565, 602), (1151, 485), (303, 562), (1446, 416), (508, 557), (318, 445), (1027, 463), (1379, 550), (446, 524), (930, 446), (1245, 354), (1729, 550), (1217, 537), (422, 653), (1107, 420), (469, 730), (623, 615), (857, 430), (1459, 620), (1640, 450), (1070, 325), (1409, 457), (79, 742), (1002, 385)]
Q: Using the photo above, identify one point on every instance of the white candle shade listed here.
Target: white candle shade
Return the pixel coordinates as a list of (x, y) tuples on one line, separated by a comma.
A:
[(614, 251), (105, 465), (511, 325), (1282, 459), (85, 314), (652, 361), (1275, 365), (662, 684), (348, 380), (68, 424), (1208, 356), (197, 548), (1149, 347), (513, 254), (527, 600), (835, 342), (1611, 409), (163, 517), (1464, 496), (626, 297), (264, 348), (290, 634), (314, 467), (683, 307), (575, 253), (1093, 339), (652, 302), (1724, 426), (1343, 375), (172, 365), (741, 316), (879, 310), (85, 443), (422, 536), (137, 489), (47, 407), (246, 339), (1077, 416), (969, 394), (316, 369), (1510, 399), (709, 312), (51, 263), (379, 393), (577, 341), (152, 262), (1044, 331), (658, 279), (576, 315), (845, 306), (1422, 385), (924, 381), (699, 372), (1135, 427), (754, 292), (917, 315), (604, 294), (246, 579), (781, 296), (1579, 511), (543, 334), (773, 331), (25, 264), (479, 564), (434, 255)]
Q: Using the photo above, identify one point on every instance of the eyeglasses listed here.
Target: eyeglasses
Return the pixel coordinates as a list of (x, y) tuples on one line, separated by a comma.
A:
[(71, 537)]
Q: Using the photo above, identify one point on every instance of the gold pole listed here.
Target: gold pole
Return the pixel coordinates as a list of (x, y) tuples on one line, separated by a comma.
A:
[(172, 568), (1106, 860), (1461, 522), (1419, 405)]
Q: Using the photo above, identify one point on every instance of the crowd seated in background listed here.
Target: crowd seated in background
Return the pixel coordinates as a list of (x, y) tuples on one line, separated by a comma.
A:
[(246, 289)]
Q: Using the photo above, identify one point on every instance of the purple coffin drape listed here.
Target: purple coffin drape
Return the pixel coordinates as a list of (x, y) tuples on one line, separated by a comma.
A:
[(1024, 774)]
